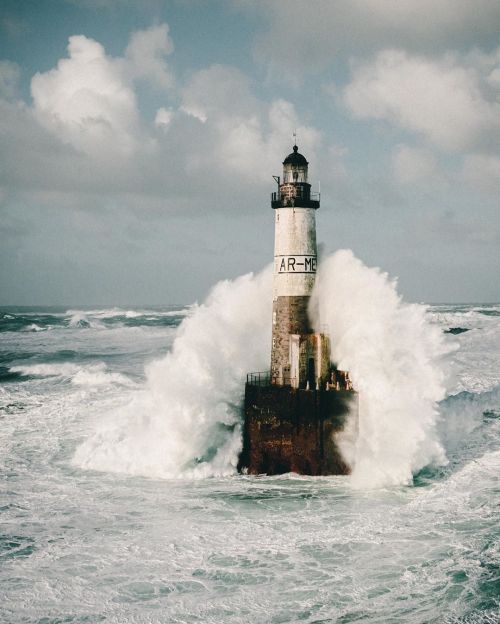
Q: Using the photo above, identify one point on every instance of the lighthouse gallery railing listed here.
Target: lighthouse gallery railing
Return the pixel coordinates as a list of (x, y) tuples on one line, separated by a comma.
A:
[(300, 199), (264, 379)]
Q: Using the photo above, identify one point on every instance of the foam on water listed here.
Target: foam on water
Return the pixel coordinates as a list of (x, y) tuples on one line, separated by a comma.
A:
[(84, 546), (186, 421), (33, 327), (463, 414), (111, 313), (80, 319), (395, 359), (81, 375)]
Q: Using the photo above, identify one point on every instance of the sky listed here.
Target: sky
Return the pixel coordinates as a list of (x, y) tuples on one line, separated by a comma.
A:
[(138, 141)]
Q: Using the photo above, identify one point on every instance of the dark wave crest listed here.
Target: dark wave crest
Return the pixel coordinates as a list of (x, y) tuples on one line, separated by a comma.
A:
[(15, 319)]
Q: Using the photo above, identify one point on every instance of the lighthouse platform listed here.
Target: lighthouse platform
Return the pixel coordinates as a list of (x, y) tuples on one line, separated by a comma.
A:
[(289, 429)]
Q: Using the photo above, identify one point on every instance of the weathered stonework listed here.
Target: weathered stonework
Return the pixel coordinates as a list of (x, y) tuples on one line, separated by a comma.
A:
[(289, 317), (293, 430)]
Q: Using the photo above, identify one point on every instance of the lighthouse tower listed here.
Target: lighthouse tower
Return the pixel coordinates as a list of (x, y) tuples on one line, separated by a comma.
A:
[(298, 357), (294, 411)]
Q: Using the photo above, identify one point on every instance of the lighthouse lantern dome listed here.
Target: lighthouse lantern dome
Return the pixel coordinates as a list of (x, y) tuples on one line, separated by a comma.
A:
[(295, 167)]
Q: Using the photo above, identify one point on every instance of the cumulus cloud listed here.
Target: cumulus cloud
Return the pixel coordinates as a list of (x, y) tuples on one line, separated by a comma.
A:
[(446, 100), (207, 141), (145, 56), (216, 91), (242, 134), (85, 100), (89, 99), (84, 133), (164, 117), (303, 38)]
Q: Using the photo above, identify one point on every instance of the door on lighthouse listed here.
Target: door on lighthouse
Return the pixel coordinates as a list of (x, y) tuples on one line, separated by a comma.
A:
[(311, 373)]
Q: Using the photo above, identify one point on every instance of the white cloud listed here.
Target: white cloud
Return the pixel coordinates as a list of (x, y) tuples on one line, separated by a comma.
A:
[(445, 99), (89, 99), (86, 101), (250, 146), (246, 134), (145, 56), (219, 91), (84, 146), (304, 37), (84, 134), (163, 117)]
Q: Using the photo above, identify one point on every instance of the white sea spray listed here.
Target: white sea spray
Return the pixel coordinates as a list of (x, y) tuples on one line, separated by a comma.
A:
[(100, 545), (186, 422), (395, 359)]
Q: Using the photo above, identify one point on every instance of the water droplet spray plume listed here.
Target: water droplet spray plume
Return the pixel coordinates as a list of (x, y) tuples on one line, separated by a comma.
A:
[(186, 422), (396, 361)]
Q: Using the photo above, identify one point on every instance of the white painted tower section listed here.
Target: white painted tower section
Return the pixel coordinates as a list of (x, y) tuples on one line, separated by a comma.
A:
[(295, 255)]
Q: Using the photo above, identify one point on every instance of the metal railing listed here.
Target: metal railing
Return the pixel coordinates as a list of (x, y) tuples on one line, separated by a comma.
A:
[(338, 380), (259, 379), (298, 193), (265, 379), (302, 198)]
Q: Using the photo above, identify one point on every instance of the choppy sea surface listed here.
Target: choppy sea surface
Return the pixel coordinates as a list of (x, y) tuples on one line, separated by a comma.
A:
[(84, 545)]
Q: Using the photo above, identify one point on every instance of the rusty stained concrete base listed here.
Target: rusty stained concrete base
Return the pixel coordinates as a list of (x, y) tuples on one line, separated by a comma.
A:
[(292, 430)]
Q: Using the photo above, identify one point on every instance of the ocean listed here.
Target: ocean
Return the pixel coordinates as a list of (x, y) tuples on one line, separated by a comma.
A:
[(119, 434)]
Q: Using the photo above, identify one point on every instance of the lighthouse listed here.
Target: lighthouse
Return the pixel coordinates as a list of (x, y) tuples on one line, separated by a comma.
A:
[(298, 357), (294, 412)]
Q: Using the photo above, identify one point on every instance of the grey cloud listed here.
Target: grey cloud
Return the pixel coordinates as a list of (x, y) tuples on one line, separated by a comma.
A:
[(87, 220), (448, 100), (146, 56), (9, 79), (483, 171), (304, 38), (85, 142)]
